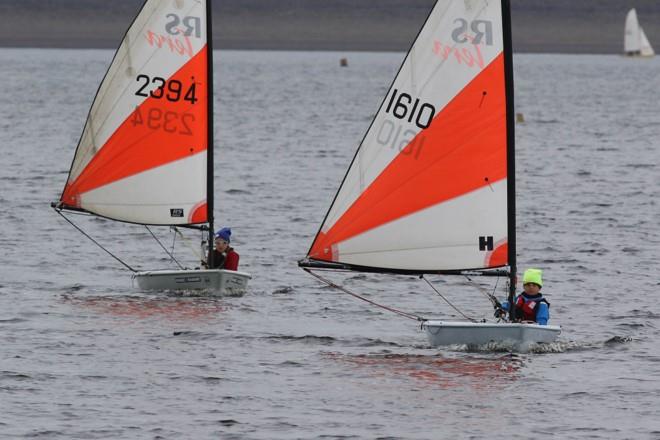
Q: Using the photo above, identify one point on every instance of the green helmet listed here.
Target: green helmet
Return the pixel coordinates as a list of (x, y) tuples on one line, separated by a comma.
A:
[(533, 276)]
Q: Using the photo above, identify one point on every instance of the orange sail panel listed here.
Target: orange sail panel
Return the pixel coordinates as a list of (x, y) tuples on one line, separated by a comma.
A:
[(464, 149), (158, 132)]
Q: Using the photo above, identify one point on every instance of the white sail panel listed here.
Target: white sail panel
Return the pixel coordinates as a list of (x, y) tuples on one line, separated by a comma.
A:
[(635, 42), (167, 198), (645, 48), (631, 38), (150, 109), (439, 137), (417, 241), (457, 42)]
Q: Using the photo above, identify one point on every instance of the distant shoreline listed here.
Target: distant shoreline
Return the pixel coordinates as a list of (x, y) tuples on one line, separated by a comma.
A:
[(287, 48), (539, 26)]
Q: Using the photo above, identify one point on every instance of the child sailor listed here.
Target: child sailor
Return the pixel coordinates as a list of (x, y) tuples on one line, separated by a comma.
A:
[(529, 305)]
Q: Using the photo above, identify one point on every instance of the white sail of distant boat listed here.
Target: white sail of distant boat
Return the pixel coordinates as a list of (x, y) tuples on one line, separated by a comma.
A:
[(635, 42), (146, 152), (646, 50), (430, 189)]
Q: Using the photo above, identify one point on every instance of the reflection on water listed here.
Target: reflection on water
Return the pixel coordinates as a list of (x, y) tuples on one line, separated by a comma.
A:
[(438, 370), (168, 307)]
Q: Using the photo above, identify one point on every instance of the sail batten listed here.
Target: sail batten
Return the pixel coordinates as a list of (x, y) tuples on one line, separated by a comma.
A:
[(143, 154), (427, 190)]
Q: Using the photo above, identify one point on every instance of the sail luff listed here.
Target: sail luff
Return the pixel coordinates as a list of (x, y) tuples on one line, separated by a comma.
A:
[(511, 147), (209, 149)]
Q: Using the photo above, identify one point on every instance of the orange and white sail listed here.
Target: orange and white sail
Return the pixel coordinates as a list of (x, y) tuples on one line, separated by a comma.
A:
[(428, 189), (142, 156)]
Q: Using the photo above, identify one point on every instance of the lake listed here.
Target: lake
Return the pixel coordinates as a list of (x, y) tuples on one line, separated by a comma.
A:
[(85, 356)]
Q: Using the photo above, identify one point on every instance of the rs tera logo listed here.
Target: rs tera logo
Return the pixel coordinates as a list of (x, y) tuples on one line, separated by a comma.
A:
[(477, 33), (481, 28), (186, 25)]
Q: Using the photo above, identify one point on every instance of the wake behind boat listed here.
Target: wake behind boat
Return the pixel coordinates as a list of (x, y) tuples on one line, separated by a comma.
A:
[(146, 152), (431, 188)]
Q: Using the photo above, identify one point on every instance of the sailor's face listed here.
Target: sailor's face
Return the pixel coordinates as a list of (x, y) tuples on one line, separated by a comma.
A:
[(221, 245), (531, 288)]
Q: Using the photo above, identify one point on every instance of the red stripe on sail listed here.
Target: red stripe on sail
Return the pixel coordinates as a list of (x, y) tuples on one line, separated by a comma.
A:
[(499, 256), (158, 132), (199, 213), (464, 149)]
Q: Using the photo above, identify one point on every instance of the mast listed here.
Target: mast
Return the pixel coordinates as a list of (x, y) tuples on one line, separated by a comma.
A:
[(511, 157), (209, 147)]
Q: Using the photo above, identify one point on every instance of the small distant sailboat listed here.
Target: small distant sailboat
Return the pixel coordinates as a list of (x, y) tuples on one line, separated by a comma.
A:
[(146, 152), (430, 189), (635, 43)]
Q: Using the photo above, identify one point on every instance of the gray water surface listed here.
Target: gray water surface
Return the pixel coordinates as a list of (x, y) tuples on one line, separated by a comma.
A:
[(86, 357)]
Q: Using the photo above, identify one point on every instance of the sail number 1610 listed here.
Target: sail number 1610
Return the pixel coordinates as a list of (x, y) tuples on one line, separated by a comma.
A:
[(403, 107)]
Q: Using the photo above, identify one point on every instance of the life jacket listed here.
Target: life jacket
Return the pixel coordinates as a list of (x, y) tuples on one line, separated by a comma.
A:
[(526, 308), (226, 260)]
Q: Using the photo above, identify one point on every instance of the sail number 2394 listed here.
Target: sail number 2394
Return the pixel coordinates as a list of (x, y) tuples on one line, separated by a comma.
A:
[(172, 90), (401, 106)]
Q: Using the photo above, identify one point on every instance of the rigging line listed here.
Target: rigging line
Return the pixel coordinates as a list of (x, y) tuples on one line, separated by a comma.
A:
[(95, 242), (81, 213), (491, 297), (186, 241), (497, 281), (446, 300), (173, 240), (164, 248), (390, 309)]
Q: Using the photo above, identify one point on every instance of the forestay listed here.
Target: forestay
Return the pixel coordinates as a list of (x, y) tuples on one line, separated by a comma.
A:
[(142, 156), (427, 190)]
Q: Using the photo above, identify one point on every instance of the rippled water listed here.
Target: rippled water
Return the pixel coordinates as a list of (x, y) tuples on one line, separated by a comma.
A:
[(84, 356)]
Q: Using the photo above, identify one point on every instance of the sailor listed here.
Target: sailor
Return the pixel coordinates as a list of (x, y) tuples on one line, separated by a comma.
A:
[(224, 256), (530, 304)]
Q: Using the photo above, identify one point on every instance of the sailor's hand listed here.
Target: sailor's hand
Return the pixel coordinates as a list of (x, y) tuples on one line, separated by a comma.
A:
[(499, 313), (204, 264)]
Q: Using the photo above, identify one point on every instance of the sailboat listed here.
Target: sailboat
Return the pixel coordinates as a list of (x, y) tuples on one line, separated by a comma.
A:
[(431, 188), (635, 42), (146, 152)]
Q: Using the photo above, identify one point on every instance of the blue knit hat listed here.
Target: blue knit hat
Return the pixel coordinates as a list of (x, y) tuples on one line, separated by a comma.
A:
[(224, 234)]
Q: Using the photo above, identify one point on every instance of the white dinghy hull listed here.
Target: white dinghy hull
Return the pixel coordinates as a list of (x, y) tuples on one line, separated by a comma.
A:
[(218, 281), (478, 333)]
